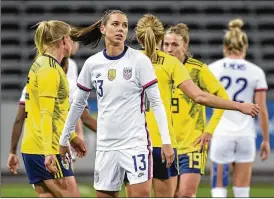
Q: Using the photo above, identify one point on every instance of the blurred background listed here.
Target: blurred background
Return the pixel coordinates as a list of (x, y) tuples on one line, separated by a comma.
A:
[(207, 21)]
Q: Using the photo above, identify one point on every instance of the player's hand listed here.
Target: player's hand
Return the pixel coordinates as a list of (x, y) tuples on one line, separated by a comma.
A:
[(79, 147), (265, 150), (167, 153), (203, 140), (13, 163), (249, 109), (64, 150), (50, 163)]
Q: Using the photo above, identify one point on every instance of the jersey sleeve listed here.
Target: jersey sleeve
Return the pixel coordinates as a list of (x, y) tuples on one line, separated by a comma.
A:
[(145, 72), (48, 80), (84, 81), (208, 81), (261, 82), (179, 73), (23, 96)]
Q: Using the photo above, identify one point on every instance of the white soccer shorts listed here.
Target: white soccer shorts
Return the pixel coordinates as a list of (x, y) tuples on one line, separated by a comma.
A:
[(228, 149), (111, 166)]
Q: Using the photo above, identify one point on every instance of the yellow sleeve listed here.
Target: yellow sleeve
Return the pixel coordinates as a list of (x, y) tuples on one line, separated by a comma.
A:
[(73, 135), (48, 80), (209, 83), (180, 73), (46, 110)]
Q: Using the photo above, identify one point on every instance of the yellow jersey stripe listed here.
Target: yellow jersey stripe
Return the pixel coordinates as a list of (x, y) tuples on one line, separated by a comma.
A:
[(59, 167), (194, 63)]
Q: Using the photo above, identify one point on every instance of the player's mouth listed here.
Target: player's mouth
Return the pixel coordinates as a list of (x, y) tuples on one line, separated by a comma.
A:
[(119, 36)]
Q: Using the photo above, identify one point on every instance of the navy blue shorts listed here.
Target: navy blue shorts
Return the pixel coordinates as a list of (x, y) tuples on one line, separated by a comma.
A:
[(159, 169), (193, 162), (37, 171)]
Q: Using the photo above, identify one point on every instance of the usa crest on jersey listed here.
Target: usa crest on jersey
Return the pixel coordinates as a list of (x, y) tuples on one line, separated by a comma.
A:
[(127, 73), (111, 74)]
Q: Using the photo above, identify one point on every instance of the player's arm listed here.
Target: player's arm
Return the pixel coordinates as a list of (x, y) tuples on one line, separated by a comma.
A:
[(212, 85), (76, 110), (17, 128), (147, 79), (260, 99), (207, 99), (217, 113), (13, 161), (88, 120), (79, 129), (18, 123)]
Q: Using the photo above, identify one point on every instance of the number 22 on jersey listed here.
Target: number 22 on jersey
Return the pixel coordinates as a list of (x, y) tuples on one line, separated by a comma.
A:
[(240, 82)]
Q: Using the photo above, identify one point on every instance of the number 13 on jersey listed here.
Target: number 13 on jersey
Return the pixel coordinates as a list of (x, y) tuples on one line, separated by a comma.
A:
[(98, 84)]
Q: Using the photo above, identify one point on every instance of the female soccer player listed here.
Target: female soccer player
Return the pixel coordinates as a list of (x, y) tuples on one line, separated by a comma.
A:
[(13, 161), (120, 76), (46, 109), (234, 137), (170, 73), (189, 118)]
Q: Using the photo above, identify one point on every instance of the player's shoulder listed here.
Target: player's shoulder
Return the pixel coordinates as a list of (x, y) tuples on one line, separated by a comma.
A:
[(95, 58), (253, 67), (45, 63), (168, 59), (72, 62), (137, 55), (194, 62), (216, 64)]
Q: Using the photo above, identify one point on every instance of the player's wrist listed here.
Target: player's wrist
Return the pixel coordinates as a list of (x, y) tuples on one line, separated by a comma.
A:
[(13, 151)]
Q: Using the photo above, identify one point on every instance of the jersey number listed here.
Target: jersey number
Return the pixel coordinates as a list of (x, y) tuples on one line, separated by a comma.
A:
[(194, 160), (141, 165), (175, 103), (243, 84), (99, 87)]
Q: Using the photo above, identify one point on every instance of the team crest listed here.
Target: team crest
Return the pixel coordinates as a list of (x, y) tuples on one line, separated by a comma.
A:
[(111, 74), (127, 73), (65, 165)]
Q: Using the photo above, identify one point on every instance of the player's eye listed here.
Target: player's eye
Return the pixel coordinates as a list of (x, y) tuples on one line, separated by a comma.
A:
[(125, 25)]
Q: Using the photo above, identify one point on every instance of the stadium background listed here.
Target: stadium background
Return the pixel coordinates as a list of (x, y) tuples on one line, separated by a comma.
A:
[(207, 21)]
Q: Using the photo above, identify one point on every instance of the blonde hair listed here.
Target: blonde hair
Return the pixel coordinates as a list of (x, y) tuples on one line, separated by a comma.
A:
[(150, 31), (49, 33), (235, 40), (92, 35), (182, 30)]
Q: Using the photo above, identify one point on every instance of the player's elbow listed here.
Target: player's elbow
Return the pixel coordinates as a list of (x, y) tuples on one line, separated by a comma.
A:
[(199, 98)]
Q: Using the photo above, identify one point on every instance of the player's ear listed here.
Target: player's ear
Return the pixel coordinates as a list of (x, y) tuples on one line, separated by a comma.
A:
[(103, 29)]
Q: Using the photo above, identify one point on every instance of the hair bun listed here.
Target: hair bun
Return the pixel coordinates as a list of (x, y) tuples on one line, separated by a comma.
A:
[(236, 23), (182, 26)]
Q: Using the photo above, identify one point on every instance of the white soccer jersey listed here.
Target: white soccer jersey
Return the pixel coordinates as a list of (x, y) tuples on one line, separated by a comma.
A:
[(72, 89), (72, 72), (23, 95), (120, 83), (241, 79)]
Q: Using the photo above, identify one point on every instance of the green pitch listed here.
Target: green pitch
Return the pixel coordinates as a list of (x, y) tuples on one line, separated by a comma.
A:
[(25, 190)]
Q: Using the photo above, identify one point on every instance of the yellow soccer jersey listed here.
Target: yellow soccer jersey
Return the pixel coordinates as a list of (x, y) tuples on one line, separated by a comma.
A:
[(170, 72), (189, 118), (55, 86)]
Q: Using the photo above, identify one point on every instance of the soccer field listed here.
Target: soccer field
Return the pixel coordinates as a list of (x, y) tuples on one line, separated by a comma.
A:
[(25, 190)]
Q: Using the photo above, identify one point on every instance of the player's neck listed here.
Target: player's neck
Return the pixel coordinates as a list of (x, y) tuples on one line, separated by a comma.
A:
[(56, 54), (113, 51), (235, 56), (182, 58)]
